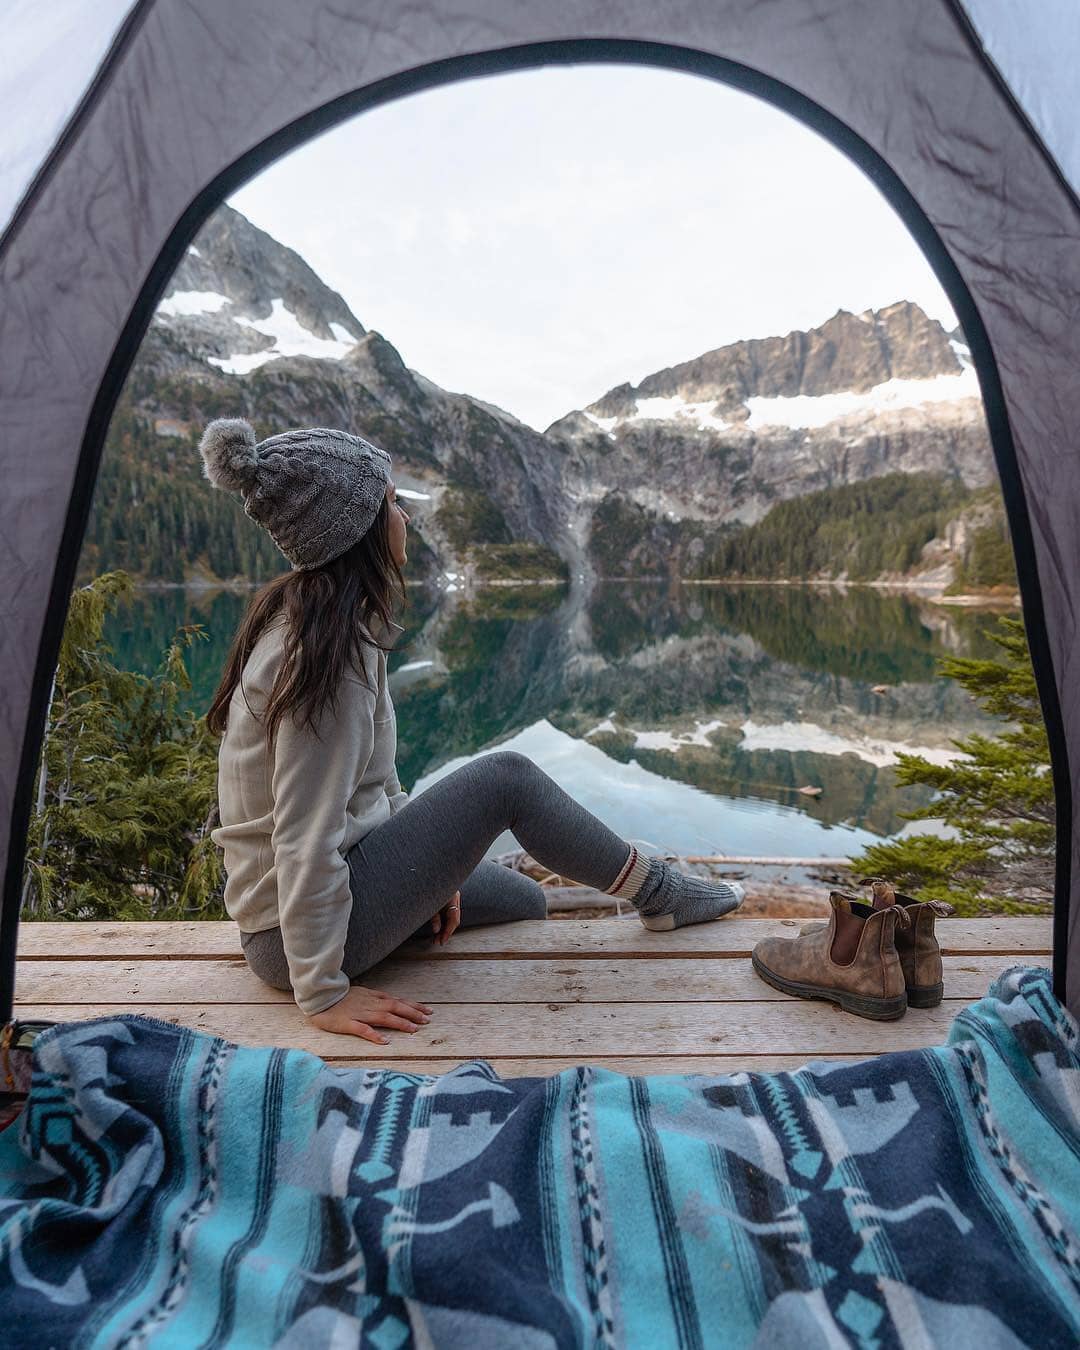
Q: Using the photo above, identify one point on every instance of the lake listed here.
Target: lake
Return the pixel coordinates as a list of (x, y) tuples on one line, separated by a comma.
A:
[(687, 717)]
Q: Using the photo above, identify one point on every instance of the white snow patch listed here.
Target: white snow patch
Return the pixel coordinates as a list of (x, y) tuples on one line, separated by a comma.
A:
[(963, 352), (413, 665), (662, 740), (806, 410), (666, 410), (667, 740), (604, 423), (243, 363), (808, 736), (414, 496), (192, 302), (194, 251), (676, 408), (451, 587), (606, 725), (291, 338), (450, 576)]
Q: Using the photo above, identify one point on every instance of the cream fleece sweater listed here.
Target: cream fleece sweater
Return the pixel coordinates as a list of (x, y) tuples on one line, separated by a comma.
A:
[(289, 817)]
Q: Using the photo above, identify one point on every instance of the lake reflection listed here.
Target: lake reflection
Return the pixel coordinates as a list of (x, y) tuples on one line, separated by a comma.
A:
[(686, 717)]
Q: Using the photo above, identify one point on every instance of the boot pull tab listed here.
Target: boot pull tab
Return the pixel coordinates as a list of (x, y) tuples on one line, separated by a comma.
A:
[(884, 892), (941, 908)]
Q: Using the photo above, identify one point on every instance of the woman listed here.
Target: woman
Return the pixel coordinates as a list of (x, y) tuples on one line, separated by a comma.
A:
[(329, 864)]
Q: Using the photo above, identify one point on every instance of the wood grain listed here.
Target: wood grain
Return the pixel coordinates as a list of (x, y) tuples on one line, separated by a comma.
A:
[(584, 939), (567, 1030), (483, 980)]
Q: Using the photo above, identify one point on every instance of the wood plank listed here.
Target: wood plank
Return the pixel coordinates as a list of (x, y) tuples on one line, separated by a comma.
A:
[(568, 1030), (586, 939), (592, 939), (491, 980), (128, 941)]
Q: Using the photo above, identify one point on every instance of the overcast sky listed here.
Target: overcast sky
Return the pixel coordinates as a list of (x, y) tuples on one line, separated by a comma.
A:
[(535, 238)]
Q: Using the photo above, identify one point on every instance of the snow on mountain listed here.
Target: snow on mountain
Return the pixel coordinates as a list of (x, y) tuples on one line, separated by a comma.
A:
[(290, 338), (192, 302), (241, 299), (247, 328), (854, 364), (818, 410), (672, 408)]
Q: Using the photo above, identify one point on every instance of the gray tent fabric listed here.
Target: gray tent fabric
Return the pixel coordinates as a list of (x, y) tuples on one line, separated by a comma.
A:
[(196, 97), (1034, 45), (51, 55)]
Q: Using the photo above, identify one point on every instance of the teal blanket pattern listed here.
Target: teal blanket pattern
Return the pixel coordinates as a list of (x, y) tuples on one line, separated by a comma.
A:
[(168, 1188)]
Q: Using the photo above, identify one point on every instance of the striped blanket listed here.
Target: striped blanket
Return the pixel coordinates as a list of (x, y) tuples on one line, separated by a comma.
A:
[(168, 1188)]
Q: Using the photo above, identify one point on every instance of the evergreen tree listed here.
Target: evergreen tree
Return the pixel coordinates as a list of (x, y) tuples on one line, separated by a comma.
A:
[(125, 784), (998, 801)]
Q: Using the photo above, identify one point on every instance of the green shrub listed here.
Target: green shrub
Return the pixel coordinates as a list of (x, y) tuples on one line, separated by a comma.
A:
[(126, 782), (998, 801)]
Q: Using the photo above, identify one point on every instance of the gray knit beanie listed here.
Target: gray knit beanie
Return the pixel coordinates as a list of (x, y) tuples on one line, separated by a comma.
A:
[(315, 491)]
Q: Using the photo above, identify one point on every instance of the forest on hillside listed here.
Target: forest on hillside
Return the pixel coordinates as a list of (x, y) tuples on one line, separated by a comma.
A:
[(861, 531), (155, 516)]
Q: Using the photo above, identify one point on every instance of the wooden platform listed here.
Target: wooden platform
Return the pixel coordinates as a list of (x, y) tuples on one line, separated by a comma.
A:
[(532, 997)]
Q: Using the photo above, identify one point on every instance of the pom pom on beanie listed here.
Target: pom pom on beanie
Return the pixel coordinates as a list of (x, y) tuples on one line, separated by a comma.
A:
[(228, 454)]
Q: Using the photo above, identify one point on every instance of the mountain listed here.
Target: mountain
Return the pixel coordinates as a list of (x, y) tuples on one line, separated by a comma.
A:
[(239, 299), (247, 329), (650, 479), (717, 441)]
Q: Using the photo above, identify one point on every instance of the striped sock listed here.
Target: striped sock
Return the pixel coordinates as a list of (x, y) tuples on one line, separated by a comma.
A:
[(633, 872)]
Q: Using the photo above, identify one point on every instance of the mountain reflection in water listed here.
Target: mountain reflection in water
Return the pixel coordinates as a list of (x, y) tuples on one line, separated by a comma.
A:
[(686, 716)]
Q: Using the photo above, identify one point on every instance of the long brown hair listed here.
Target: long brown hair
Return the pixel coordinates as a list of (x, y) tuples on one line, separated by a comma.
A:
[(328, 612)]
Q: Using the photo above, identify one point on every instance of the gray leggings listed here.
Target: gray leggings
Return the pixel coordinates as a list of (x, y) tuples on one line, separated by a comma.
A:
[(402, 872)]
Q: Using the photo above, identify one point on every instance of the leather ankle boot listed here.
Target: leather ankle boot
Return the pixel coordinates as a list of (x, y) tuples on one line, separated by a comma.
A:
[(852, 960), (916, 943)]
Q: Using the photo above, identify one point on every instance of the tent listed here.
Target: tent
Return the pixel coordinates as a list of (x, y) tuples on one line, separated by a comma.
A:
[(127, 123)]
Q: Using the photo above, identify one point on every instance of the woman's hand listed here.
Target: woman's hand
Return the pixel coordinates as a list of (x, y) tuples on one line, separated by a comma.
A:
[(362, 1010), (446, 921)]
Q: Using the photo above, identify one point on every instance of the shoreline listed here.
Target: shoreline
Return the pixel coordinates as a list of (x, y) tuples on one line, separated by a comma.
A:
[(930, 591)]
